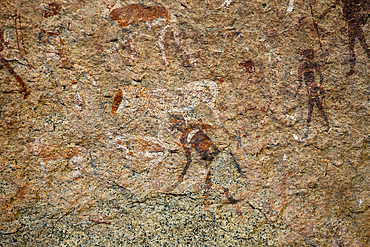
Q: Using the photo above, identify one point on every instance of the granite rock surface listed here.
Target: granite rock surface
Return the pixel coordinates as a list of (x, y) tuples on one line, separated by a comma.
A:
[(184, 123)]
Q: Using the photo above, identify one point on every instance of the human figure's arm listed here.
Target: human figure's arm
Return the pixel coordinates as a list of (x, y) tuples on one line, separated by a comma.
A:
[(300, 73), (318, 71), (329, 9)]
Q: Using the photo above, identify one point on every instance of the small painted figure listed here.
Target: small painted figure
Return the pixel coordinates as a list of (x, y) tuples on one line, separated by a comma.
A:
[(257, 105), (133, 14), (194, 137), (249, 66), (51, 9), (354, 11), (314, 91), (117, 101)]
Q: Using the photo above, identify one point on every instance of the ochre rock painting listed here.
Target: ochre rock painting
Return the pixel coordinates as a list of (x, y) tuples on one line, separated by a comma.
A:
[(356, 14), (184, 123), (134, 13)]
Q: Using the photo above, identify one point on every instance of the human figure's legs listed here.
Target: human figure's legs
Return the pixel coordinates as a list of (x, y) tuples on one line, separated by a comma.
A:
[(181, 178), (361, 37), (311, 102), (321, 109), (352, 34), (355, 31), (208, 183)]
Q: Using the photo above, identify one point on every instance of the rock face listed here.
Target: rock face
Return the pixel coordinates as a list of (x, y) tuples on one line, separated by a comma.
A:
[(183, 123)]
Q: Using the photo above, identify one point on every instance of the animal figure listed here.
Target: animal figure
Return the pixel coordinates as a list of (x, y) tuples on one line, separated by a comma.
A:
[(134, 13), (161, 101)]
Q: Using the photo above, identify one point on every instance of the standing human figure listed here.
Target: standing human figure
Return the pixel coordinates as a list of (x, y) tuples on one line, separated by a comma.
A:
[(194, 137), (354, 11), (307, 71)]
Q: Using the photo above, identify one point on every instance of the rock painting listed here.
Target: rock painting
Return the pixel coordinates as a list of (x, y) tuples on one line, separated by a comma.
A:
[(315, 90), (354, 12), (135, 13), (160, 102)]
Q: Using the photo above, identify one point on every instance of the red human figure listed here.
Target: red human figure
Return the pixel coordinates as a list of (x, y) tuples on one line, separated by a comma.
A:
[(307, 72), (354, 11)]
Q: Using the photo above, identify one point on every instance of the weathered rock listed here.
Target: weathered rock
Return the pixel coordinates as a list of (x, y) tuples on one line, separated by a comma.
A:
[(90, 154)]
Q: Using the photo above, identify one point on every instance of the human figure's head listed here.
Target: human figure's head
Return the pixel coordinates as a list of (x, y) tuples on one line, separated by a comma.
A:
[(177, 122), (308, 53)]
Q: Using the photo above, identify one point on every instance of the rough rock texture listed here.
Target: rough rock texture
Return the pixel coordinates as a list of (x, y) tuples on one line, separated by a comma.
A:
[(104, 103)]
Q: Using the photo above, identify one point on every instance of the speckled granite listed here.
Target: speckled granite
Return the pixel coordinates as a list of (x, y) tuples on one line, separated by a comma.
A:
[(184, 123)]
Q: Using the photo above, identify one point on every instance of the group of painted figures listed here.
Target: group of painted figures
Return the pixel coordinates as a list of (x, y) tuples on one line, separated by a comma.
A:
[(194, 137), (355, 12)]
